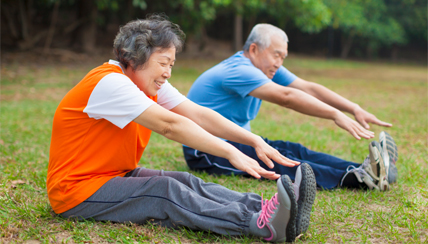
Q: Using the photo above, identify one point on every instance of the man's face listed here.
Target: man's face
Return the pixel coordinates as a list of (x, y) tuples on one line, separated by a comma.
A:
[(154, 73), (271, 58)]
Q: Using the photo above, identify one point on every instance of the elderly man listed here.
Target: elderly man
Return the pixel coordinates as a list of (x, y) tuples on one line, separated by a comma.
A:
[(236, 87)]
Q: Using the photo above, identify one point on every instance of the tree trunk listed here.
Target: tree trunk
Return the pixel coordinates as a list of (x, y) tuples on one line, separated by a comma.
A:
[(370, 52), (86, 32), (237, 40), (203, 38), (73, 26), (24, 20), (131, 11), (8, 13), (251, 24), (51, 28), (394, 53), (330, 41), (347, 45), (31, 42)]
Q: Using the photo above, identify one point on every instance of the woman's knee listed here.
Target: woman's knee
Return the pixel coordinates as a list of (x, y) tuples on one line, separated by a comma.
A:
[(187, 178)]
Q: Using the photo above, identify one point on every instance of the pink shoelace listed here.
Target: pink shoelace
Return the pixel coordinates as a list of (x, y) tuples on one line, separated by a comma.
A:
[(268, 207)]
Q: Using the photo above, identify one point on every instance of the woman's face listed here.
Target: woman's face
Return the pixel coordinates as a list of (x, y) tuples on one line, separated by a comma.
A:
[(153, 74)]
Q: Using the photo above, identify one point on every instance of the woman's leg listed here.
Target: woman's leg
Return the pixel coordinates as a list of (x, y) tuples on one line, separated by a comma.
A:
[(212, 191), (166, 200)]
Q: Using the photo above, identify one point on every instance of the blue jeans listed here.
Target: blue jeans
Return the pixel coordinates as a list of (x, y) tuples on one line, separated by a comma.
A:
[(328, 169)]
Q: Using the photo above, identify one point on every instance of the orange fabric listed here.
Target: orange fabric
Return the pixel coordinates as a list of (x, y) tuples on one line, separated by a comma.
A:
[(85, 153)]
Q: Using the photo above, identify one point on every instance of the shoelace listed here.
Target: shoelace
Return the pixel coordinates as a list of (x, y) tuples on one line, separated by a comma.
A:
[(360, 170), (366, 162), (268, 208)]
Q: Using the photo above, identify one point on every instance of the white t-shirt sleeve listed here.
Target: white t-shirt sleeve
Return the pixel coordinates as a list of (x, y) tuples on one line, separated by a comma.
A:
[(169, 97), (117, 99)]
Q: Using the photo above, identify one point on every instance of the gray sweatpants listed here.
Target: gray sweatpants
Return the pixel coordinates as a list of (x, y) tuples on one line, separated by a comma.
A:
[(171, 199)]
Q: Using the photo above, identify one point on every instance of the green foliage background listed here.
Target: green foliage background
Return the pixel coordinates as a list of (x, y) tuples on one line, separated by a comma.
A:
[(371, 25)]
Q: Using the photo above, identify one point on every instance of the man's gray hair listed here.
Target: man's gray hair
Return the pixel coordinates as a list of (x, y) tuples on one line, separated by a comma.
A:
[(261, 35), (139, 39)]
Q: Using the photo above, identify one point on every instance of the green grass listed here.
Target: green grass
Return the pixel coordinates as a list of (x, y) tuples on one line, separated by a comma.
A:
[(395, 93)]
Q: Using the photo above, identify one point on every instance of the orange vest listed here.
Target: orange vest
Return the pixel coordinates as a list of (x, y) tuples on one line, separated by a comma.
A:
[(85, 153)]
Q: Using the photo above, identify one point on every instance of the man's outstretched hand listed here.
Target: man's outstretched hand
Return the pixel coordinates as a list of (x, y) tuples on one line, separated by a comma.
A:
[(350, 125), (364, 118)]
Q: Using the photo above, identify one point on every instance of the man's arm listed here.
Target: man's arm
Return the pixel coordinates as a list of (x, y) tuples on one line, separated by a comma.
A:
[(185, 131), (217, 125), (304, 103), (335, 100)]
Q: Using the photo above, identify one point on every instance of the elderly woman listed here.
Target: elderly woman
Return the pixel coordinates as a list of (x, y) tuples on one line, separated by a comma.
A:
[(102, 126)]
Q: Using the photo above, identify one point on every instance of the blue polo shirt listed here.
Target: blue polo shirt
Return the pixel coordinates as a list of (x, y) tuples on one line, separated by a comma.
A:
[(225, 88)]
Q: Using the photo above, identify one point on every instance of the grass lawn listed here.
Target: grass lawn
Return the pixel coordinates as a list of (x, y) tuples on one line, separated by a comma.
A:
[(396, 93)]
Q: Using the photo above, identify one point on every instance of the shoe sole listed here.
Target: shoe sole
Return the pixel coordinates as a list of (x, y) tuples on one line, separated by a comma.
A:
[(388, 144), (392, 174), (382, 168), (290, 230), (385, 157), (307, 193), (389, 148)]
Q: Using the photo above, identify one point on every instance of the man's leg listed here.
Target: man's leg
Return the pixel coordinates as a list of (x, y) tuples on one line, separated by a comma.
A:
[(166, 200), (328, 169), (200, 161), (299, 151)]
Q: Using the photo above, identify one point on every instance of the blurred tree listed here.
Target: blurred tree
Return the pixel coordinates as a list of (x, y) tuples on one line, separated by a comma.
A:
[(26, 33), (309, 15), (194, 15), (377, 23), (86, 31), (18, 16), (87, 18), (238, 24), (347, 16), (191, 15), (412, 16), (367, 25)]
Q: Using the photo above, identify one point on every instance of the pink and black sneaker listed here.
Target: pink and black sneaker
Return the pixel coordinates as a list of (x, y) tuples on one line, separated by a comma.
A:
[(279, 213), (305, 188)]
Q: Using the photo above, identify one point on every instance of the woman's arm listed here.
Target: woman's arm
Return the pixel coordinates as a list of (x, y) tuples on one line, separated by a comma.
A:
[(178, 128)]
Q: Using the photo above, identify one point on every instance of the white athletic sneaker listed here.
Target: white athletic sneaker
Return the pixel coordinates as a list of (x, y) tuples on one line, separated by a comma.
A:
[(390, 155), (362, 176), (376, 166)]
